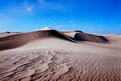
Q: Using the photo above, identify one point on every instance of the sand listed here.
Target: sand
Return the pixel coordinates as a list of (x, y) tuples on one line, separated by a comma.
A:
[(50, 57), (8, 34)]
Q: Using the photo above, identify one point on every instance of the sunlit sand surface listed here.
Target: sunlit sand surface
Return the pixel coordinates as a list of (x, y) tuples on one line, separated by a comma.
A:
[(50, 55)]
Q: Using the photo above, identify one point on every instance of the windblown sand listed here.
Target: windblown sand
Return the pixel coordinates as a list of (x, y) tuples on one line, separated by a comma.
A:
[(55, 59)]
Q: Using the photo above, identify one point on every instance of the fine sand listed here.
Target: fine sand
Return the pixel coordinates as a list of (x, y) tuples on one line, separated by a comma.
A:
[(50, 55)]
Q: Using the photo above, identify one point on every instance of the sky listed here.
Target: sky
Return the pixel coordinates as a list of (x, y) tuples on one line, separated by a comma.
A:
[(93, 16)]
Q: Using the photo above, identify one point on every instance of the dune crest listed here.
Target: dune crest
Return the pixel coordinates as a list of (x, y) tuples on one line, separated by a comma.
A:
[(17, 40), (45, 28)]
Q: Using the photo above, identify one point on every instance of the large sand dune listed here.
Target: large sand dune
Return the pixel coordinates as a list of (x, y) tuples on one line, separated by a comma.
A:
[(50, 55), (13, 41)]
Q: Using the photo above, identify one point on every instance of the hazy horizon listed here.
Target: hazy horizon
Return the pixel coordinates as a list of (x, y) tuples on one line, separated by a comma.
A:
[(93, 16)]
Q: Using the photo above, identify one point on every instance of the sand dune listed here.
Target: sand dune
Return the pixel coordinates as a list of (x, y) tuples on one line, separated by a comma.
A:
[(8, 34), (17, 40), (50, 55), (79, 36)]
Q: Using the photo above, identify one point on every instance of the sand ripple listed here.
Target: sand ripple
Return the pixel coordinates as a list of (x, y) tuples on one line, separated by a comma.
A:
[(58, 65)]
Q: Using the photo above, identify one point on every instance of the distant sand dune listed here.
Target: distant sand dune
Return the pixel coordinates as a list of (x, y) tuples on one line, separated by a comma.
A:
[(80, 36), (17, 40), (90, 37), (13, 41)]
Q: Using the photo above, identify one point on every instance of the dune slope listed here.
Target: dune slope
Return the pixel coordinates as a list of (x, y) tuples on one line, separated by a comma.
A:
[(17, 40), (54, 56), (54, 59)]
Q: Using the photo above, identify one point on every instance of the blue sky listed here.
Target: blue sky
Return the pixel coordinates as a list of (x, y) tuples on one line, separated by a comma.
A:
[(93, 16)]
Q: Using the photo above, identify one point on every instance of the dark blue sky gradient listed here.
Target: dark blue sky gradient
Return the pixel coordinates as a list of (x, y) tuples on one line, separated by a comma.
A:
[(94, 16)]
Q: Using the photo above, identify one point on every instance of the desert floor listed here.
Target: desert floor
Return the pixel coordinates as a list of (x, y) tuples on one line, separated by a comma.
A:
[(54, 59)]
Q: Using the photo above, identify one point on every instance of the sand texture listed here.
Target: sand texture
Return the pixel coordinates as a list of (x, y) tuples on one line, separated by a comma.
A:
[(51, 55)]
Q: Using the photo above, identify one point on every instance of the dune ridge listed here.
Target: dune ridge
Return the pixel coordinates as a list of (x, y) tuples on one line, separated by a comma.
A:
[(90, 37), (17, 40)]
